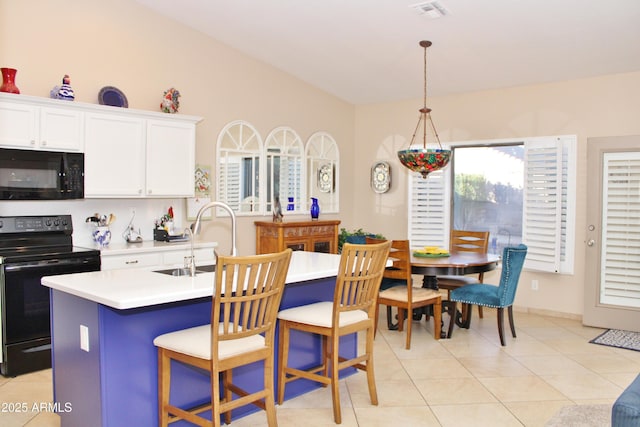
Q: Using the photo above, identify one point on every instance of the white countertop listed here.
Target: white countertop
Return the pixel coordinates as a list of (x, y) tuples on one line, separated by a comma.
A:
[(142, 287)]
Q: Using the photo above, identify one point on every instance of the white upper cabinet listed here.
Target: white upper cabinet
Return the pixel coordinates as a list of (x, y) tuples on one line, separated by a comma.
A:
[(128, 155), (114, 156), (26, 125), (170, 159)]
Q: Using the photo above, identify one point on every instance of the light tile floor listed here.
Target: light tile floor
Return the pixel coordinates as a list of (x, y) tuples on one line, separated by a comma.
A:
[(466, 380)]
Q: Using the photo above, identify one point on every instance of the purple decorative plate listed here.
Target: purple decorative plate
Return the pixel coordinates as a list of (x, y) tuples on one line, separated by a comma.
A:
[(112, 96)]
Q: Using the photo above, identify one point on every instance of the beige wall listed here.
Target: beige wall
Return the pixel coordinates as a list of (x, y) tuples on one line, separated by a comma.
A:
[(120, 43), (604, 106)]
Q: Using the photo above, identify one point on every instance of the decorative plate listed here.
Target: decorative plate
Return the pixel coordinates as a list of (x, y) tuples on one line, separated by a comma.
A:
[(426, 255), (325, 178), (381, 177), (112, 96)]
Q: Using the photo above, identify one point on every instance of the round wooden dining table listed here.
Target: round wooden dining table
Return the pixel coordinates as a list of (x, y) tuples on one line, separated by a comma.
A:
[(458, 264)]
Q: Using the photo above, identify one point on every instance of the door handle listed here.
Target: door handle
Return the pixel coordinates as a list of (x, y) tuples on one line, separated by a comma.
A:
[(591, 242)]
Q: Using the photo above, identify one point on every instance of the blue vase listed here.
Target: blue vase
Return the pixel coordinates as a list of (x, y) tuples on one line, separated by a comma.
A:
[(315, 209)]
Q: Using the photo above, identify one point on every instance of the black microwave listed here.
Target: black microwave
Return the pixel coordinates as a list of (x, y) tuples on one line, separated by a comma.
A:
[(41, 175)]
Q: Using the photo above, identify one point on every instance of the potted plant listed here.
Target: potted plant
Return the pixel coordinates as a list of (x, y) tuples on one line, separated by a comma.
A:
[(356, 236)]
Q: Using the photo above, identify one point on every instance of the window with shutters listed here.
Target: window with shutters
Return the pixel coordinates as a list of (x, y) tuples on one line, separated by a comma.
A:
[(251, 174), (428, 209), (323, 168), (284, 152), (239, 150), (519, 190), (620, 275)]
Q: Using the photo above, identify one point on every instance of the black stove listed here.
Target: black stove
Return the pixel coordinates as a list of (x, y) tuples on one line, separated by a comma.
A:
[(25, 238), (32, 247)]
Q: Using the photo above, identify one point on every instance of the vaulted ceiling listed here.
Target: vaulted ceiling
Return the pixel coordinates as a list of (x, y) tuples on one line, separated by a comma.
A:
[(366, 51)]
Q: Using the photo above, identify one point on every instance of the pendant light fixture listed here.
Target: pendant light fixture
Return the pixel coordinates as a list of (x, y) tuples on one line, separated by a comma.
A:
[(424, 160)]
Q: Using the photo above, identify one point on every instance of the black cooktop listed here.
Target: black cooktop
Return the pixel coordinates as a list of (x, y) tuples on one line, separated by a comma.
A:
[(29, 238)]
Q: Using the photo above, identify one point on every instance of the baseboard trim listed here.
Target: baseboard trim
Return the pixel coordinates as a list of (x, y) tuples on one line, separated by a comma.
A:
[(550, 313)]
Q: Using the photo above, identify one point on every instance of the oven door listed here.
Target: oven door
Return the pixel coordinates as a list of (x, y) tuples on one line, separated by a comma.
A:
[(24, 304)]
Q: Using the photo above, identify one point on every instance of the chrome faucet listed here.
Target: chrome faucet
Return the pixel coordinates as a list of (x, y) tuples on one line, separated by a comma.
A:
[(190, 261), (195, 227)]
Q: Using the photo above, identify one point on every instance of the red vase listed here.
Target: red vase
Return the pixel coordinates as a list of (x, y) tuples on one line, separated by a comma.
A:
[(9, 81)]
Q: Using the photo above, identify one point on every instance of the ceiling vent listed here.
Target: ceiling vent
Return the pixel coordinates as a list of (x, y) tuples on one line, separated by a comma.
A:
[(432, 9)]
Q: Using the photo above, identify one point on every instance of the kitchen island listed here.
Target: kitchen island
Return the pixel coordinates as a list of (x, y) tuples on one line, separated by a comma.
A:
[(103, 325)]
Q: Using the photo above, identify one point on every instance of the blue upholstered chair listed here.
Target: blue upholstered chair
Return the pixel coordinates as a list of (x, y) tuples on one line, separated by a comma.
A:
[(626, 409), (500, 296)]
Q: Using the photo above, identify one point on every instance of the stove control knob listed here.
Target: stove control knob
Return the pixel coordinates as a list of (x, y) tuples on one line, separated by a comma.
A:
[(48, 222)]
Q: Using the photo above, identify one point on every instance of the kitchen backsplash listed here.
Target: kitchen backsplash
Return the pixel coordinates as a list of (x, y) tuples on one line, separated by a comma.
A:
[(146, 210)]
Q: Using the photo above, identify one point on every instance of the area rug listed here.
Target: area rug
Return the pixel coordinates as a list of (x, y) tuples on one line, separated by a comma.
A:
[(581, 416), (619, 338)]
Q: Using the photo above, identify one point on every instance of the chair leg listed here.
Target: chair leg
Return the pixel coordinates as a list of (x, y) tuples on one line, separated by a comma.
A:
[(164, 383), (215, 397), (335, 380), (283, 358), (390, 325), (452, 316), (409, 324), (464, 320), (511, 324), (371, 379), (401, 317), (480, 310), (437, 320), (327, 353), (501, 325), (227, 382), (270, 406), (465, 312), (375, 324)]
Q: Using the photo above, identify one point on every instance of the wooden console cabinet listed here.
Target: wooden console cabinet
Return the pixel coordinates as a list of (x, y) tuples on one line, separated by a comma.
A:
[(311, 236)]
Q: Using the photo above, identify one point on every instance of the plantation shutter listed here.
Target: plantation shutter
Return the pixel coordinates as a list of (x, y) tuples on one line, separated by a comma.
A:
[(429, 209), (294, 181), (542, 204), (229, 183), (548, 204), (284, 151), (620, 262)]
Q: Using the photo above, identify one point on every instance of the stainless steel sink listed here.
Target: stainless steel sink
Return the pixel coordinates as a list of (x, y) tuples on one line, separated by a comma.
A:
[(185, 271), (207, 268)]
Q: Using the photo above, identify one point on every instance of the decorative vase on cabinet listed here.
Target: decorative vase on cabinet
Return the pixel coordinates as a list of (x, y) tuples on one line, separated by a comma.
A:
[(9, 81), (315, 209)]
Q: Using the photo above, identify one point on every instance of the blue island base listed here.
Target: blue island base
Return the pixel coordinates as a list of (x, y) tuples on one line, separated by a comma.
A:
[(113, 380)]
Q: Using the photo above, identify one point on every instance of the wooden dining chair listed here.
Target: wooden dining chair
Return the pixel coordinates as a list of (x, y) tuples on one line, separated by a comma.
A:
[(465, 241), (399, 291), (501, 296), (242, 331), (387, 282), (353, 310)]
